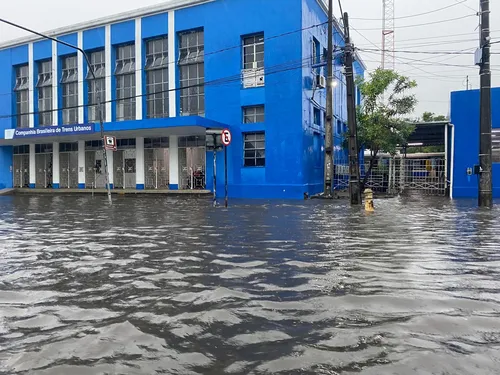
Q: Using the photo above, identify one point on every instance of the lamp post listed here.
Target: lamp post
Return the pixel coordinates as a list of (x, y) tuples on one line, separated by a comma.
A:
[(99, 104)]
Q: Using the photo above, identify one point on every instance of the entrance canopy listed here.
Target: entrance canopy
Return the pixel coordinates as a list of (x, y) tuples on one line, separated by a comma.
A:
[(164, 127), (428, 134)]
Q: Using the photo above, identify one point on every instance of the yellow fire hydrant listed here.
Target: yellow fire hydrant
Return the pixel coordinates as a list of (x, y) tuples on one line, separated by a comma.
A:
[(369, 207)]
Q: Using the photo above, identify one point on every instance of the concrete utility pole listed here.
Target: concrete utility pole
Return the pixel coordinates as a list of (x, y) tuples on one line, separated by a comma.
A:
[(99, 104), (354, 188), (329, 108), (485, 169)]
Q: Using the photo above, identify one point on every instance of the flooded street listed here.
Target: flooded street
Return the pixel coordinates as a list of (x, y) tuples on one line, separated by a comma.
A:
[(174, 286)]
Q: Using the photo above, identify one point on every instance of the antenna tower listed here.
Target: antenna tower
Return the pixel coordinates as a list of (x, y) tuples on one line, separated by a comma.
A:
[(388, 40)]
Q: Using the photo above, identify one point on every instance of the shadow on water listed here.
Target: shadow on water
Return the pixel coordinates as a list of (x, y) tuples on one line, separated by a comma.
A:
[(173, 286)]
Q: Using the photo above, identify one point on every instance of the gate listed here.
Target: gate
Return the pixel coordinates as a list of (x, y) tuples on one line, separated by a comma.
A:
[(43, 163), (94, 170), (124, 162), (156, 167), (192, 167), (68, 162), (21, 166)]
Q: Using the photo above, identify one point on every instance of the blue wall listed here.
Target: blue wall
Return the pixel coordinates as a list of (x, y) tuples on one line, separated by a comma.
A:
[(465, 118)]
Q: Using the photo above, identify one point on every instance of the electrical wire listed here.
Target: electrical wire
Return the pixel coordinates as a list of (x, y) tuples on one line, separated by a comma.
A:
[(413, 15), (423, 24), (275, 69)]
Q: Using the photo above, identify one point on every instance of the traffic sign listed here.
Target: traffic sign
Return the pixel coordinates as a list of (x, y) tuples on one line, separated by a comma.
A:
[(110, 142), (226, 137)]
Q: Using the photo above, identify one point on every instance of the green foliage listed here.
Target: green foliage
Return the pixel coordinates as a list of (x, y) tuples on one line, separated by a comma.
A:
[(387, 102), (431, 117)]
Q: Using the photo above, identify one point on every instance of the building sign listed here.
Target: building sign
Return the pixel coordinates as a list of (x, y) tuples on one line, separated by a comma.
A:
[(49, 131)]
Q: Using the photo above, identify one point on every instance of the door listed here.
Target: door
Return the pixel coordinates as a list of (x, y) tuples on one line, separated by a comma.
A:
[(21, 168), (156, 167), (129, 169), (43, 164), (68, 162), (94, 172), (118, 170), (192, 167)]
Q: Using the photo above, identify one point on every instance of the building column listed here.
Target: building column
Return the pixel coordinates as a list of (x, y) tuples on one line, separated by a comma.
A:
[(31, 84), (139, 163), (111, 168), (56, 178), (32, 166), (81, 112), (108, 69), (172, 68), (81, 164), (55, 82), (138, 73), (173, 162)]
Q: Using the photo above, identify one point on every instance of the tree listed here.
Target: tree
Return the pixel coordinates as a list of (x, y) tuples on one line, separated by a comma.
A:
[(431, 117), (382, 126)]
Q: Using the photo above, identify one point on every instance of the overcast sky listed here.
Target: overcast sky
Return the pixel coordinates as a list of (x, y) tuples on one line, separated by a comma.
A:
[(437, 75)]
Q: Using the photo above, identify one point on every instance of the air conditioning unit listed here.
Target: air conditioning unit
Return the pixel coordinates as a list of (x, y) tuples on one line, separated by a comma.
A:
[(320, 81)]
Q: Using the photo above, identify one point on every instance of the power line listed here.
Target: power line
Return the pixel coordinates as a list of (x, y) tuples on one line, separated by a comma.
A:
[(419, 52), (279, 68), (412, 15), (465, 5), (424, 24)]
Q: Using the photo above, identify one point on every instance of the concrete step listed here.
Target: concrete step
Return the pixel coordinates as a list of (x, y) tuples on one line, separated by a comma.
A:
[(6, 191)]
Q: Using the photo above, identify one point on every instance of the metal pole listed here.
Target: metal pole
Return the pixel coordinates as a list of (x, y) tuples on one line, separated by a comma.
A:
[(91, 69), (485, 177), (215, 170), (354, 188), (328, 184), (225, 176)]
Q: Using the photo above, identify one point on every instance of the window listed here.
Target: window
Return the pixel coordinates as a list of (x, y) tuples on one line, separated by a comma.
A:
[(339, 127), (44, 88), (495, 146), (317, 116), (162, 142), (192, 73), (43, 148), (252, 115), (23, 149), (192, 141), (21, 89), (157, 78), (316, 52), (254, 149), (69, 81), (68, 147), (125, 82), (97, 85), (93, 145), (253, 51), (125, 143)]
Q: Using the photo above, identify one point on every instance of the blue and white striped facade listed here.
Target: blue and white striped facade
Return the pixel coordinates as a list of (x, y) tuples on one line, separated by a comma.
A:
[(292, 131)]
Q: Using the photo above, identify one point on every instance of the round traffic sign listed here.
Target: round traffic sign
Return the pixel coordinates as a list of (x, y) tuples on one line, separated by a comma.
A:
[(226, 137)]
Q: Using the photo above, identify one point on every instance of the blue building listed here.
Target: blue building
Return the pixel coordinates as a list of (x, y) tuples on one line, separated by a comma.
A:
[(465, 150), (167, 75)]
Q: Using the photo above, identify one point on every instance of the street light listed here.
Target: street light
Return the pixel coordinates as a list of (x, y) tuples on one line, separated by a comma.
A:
[(99, 104)]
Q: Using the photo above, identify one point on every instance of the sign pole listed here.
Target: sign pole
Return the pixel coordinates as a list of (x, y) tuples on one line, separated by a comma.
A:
[(225, 176), (215, 171)]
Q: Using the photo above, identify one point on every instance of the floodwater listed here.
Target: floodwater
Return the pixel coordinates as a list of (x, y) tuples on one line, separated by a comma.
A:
[(174, 286)]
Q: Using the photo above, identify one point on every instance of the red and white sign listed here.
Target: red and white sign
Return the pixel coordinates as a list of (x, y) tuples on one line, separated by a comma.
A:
[(110, 142), (226, 137)]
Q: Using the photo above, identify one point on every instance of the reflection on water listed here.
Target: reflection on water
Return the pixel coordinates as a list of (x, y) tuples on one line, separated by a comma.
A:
[(173, 286)]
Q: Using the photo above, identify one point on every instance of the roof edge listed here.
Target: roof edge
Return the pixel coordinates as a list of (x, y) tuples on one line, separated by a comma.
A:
[(99, 22)]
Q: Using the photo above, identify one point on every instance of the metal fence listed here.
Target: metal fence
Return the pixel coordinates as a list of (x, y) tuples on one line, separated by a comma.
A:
[(425, 174)]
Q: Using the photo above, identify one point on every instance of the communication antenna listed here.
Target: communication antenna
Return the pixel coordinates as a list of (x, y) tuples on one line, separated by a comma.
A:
[(388, 40)]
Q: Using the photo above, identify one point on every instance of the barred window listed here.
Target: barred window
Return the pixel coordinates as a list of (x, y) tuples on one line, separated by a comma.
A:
[(192, 73), (252, 115), (69, 81), (157, 78), (21, 89), (44, 89), (495, 145), (97, 85), (125, 82), (254, 149), (253, 51)]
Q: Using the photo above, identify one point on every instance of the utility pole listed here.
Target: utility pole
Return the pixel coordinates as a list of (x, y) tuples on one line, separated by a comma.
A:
[(485, 169), (98, 99), (354, 188), (328, 186)]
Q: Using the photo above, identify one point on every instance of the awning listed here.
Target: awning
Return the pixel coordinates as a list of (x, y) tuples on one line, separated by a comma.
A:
[(428, 134)]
